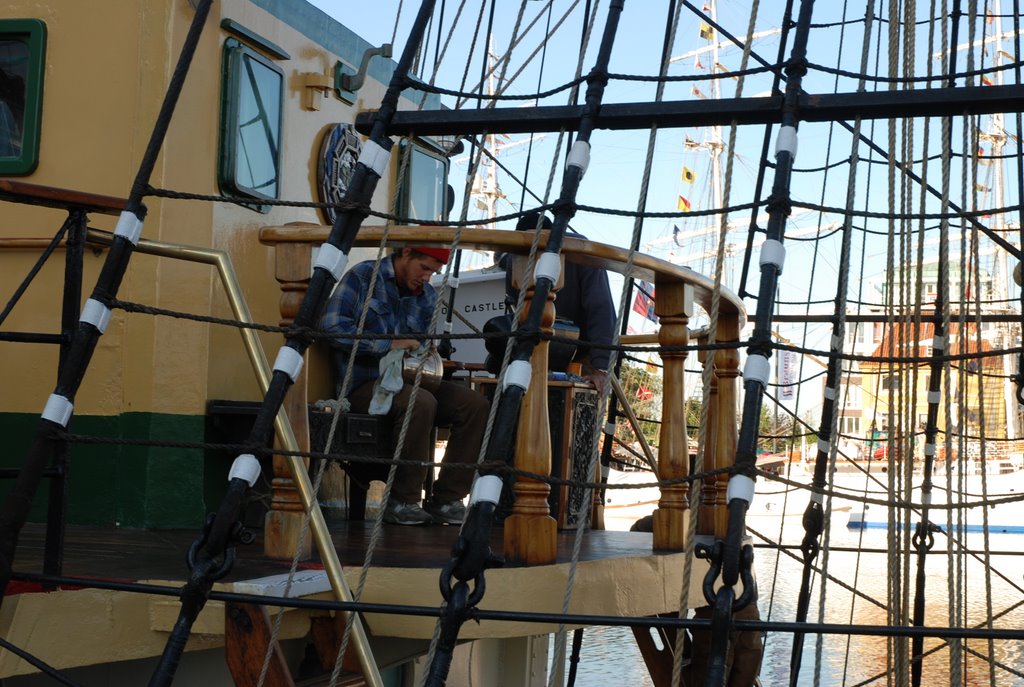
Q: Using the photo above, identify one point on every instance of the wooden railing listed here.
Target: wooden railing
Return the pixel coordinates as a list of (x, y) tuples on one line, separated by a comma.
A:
[(530, 532)]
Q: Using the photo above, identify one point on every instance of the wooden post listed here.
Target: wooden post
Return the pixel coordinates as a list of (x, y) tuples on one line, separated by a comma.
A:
[(673, 307), (709, 501), (248, 632), (531, 532), (714, 514), (283, 523)]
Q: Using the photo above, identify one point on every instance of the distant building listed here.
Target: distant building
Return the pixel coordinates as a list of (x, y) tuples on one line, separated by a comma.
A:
[(879, 399)]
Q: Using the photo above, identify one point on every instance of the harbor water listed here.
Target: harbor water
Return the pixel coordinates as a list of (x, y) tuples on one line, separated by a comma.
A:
[(611, 652)]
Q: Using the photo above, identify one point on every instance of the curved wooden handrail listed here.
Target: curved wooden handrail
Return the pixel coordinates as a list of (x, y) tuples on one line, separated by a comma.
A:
[(582, 251), (53, 197), (530, 532)]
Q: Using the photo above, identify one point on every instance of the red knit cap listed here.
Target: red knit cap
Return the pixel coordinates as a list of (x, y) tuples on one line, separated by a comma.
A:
[(441, 254)]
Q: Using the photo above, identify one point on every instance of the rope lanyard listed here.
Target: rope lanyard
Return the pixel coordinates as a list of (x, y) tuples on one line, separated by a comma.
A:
[(730, 557), (471, 553), (95, 316), (816, 514), (330, 263)]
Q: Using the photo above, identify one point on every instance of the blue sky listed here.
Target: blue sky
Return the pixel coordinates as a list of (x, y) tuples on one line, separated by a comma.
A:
[(614, 178)]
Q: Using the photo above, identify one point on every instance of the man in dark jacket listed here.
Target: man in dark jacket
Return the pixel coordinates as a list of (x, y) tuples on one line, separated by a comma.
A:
[(585, 299)]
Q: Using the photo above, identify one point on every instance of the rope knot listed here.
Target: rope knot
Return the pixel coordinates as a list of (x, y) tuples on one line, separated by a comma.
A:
[(780, 203)]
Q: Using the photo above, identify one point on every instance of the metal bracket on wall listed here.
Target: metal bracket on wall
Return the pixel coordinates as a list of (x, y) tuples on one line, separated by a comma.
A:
[(344, 81)]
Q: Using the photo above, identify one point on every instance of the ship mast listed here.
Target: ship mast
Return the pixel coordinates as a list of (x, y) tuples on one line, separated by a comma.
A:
[(485, 191), (997, 137), (714, 143)]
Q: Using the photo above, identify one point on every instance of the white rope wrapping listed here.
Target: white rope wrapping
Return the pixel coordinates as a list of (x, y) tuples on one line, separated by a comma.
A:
[(486, 488), (375, 157), (58, 409), (288, 361), (246, 467), (817, 497), (579, 156), (518, 374), (929, 450), (453, 282), (824, 446), (773, 253), (786, 141), (448, 326), (934, 397), (609, 428), (757, 368), (939, 343), (548, 265), (96, 314), (330, 258), (830, 393), (129, 227), (740, 487)]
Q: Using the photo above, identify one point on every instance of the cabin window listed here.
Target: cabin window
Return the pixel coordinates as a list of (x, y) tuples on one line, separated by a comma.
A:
[(253, 93), (424, 188), (22, 48)]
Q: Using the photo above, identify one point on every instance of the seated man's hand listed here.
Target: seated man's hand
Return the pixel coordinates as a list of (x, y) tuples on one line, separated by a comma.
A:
[(407, 344), (599, 378)]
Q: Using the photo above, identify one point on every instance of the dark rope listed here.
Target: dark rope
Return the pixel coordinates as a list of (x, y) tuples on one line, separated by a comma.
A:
[(729, 556), (212, 553), (471, 554), (74, 217), (35, 662), (45, 445)]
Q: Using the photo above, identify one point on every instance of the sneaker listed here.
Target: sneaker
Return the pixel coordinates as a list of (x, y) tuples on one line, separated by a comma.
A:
[(398, 513), (451, 513)]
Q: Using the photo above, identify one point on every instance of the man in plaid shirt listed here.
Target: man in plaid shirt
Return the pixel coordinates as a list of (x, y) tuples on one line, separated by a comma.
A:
[(401, 304)]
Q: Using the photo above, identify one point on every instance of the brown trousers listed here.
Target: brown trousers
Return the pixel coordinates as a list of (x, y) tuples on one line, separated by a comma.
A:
[(451, 404)]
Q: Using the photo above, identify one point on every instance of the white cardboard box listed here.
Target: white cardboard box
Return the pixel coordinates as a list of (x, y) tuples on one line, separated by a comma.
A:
[(480, 296)]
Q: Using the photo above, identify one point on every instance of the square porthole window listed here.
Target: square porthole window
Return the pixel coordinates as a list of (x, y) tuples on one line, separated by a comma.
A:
[(22, 52), (424, 190), (250, 136)]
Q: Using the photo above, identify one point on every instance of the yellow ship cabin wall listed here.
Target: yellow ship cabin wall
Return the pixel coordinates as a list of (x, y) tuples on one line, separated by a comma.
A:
[(107, 66)]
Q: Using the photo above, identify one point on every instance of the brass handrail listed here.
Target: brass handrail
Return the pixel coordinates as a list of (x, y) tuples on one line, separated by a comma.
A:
[(283, 428)]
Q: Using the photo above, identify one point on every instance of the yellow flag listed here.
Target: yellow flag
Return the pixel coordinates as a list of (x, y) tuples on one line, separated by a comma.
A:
[(688, 175), (683, 204), (706, 32)]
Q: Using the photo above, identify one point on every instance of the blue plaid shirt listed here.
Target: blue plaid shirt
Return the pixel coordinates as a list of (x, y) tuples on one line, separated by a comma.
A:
[(390, 312)]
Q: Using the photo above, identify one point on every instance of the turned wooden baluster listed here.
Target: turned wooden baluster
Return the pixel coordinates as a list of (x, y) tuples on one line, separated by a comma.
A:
[(714, 515), (283, 522), (531, 532), (673, 307), (709, 500)]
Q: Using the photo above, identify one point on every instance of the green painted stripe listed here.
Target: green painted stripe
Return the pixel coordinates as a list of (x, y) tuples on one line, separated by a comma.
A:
[(137, 486)]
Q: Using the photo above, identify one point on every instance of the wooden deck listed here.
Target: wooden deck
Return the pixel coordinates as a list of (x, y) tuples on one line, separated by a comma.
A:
[(618, 574), (136, 554)]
